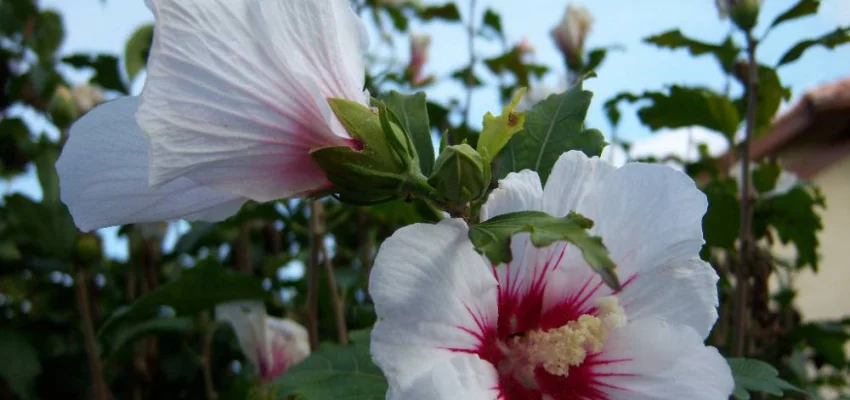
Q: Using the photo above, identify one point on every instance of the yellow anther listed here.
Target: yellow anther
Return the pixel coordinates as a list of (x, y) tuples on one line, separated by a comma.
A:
[(557, 350)]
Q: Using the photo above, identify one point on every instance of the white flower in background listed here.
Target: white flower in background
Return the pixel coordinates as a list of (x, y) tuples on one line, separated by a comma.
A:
[(86, 96), (271, 344), (453, 326), (539, 92), (235, 98), (572, 32)]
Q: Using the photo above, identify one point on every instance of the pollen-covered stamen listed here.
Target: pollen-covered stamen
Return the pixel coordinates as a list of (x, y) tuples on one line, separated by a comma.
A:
[(557, 350)]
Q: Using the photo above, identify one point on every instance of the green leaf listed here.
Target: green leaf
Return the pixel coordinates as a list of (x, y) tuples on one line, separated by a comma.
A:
[(493, 237), (725, 52), (721, 224), (830, 40), (497, 131), (338, 372), (107, 70), (595, 58), (688, 106), (801, 9), (756, 376), (447, 12), (412, 114), (512, 61), (770, 96), (19, 364), (197, 290), (611, 106), (766, 176), (399, 20), (553, 127), (493, 20), (15, 144), (793, 215), (467, 77), (826, 339), (48, 228), (136, 51), (49, 34), (131, 332), (45, 163)]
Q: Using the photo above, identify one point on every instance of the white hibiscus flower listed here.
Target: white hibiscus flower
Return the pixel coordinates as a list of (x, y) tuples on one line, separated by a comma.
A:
[(235, 99), (272, 344), (453, 326)]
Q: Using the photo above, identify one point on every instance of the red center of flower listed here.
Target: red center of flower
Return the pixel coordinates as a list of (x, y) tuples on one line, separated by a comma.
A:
[(518, 343)]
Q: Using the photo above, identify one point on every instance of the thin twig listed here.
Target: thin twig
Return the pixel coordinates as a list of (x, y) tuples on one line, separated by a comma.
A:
[(207, 330), (313, 275), (742, 312), (243, 249), (339, 310), (99, 387)]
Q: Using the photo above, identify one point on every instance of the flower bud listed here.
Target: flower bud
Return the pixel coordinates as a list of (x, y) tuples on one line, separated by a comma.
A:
[(571, 34), (87, 250), (419, 45), (744, 13), (87, 96), (460, 174), (63, 110)]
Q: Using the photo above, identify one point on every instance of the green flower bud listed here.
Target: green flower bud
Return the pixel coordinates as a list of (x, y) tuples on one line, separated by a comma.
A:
[(63, 108), (744, 13), (460, 175), (87, 250)]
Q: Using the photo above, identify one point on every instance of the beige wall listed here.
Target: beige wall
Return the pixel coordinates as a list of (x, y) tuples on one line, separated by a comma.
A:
[(826, 295)]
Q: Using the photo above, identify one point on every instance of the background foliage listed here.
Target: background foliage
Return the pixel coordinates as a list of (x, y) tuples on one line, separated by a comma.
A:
[(76, 324)]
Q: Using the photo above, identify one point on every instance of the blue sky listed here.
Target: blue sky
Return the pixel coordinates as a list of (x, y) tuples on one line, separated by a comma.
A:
[(97, 26)]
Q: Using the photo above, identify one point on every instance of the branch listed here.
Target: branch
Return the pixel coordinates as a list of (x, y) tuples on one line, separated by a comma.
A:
[(339, 310), (313, 275), (742, 312), (207, 330), (99, 387), (243, 249)]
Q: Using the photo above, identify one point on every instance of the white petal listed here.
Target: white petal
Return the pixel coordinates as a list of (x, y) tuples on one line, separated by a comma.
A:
[(647, 215), (460, 377), (236, 91), (683, 293), (433, 295), (519, 191), (295, 338), (573, 177), (103, 176), (666, 361), (248, 319)]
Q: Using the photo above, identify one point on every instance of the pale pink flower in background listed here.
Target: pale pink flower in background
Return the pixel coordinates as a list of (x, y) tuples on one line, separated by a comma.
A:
[(235, 98), (273, 345), (419, 44), (571, 33), (453, 326)]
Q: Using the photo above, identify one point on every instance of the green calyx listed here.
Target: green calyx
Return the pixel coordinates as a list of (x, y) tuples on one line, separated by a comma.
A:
[(385, 168)]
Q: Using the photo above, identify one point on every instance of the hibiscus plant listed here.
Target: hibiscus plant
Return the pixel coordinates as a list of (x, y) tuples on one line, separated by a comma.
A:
[(350, 237)]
